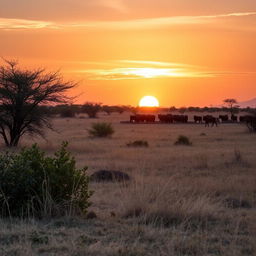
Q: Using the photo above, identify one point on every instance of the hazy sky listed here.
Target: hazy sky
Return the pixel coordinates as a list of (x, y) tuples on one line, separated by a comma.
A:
[(184, 52)]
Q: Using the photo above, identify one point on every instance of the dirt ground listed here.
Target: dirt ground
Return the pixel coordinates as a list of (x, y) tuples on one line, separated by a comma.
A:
[(196, 199)]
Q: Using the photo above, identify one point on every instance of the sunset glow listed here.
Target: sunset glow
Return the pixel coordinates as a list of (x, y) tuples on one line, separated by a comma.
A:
[(185, 53), (149, 101)]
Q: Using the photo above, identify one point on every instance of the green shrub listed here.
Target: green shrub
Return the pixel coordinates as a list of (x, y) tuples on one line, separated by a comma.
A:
[(101, 130), (137, 143), (183, 140), (34, 185)]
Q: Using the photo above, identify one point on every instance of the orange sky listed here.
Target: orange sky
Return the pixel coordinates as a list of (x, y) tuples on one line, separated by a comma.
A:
[(184, 52)]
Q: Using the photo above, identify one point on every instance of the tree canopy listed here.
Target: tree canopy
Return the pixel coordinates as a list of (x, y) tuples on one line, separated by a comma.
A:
[(22, 92), (232, 104)]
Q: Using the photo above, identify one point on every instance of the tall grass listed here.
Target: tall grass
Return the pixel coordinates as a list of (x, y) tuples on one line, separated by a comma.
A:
[(168, 204)]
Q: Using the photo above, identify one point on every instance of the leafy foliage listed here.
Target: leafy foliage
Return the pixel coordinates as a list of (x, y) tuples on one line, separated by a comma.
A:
[(37, 185), (101, 130)]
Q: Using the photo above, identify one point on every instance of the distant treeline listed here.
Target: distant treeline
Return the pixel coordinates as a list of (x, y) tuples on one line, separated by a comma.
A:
[(92, 109)]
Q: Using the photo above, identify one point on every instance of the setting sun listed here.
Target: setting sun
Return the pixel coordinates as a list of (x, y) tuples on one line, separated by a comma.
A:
[(149, 101)]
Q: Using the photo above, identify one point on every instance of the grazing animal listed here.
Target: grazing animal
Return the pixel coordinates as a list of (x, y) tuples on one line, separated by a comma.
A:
[(150, 118), (142, 119), (180, 118), (250, 121), (234, 118), (173, 118), (198, 119), (165, 118), (210, 120), (223, 118), (132, 119), (245, 119)]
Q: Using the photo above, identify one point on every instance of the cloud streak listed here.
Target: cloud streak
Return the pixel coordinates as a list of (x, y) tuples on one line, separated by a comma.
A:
[(160, 22), (113, 4), (149, 70), (139, 69), (14, 24), (126, 24)]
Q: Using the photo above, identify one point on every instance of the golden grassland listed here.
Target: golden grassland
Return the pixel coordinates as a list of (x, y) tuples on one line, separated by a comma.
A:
[(182, 200)]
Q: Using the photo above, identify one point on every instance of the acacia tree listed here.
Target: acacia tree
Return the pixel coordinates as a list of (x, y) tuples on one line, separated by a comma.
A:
[(22, 92), (232, 104)]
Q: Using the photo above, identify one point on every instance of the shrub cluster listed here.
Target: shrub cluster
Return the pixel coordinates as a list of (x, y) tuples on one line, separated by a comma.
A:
[(34, 185), (101, 130), (67, 113), (137, 143), (183, 140)]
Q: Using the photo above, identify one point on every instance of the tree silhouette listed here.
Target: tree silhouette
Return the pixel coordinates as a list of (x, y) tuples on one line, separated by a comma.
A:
[(232, 104), (22, 93)]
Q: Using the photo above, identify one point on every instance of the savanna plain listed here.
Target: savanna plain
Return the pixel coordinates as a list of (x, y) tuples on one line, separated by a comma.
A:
[(196, 199)]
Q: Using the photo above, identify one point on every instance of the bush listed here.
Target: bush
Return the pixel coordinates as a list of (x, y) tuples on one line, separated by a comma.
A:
[(67, 113), (183, 140), (91, 109), (137, 143), (33, 185), (101, 130)]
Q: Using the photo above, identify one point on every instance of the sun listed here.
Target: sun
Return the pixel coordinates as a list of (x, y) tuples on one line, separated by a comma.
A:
[(149, 101)]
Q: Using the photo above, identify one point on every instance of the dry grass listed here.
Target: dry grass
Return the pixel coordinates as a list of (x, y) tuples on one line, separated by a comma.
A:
[(176, 203)]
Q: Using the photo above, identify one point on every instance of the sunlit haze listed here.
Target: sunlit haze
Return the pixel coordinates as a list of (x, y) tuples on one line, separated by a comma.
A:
[(149, 101), (184, 52)]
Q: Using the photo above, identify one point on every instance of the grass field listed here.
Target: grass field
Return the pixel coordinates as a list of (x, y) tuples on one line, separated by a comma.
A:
[(182, 200)]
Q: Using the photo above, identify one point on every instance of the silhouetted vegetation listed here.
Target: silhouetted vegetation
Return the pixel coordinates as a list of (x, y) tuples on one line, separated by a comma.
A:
[(21, 94), (232, 105), (68, 111), (91, 109), (34, 185)]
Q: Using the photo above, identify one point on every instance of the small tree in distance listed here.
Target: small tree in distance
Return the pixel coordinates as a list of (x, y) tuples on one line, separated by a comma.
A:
[(91, 109), (22, 92), (232, 104)]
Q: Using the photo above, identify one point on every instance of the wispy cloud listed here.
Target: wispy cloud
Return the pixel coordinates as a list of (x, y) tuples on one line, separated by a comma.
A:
[(25, 24), (155, 63), (139, 69), (131, 73), (143, 70), (126, 24), (159, 22), (113, 4)]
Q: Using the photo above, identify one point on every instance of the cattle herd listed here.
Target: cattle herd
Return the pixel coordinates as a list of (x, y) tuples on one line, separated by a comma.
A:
[(206, 119)]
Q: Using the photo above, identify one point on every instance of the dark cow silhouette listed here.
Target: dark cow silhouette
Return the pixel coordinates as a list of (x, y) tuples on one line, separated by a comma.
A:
[(142, 119), (180, 118), (165, 118), (223, 118), (250, 121), (150, 118), (169, 118), (234, 118), (244, 119), (132, 119), (198, 119), (208, 119)]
